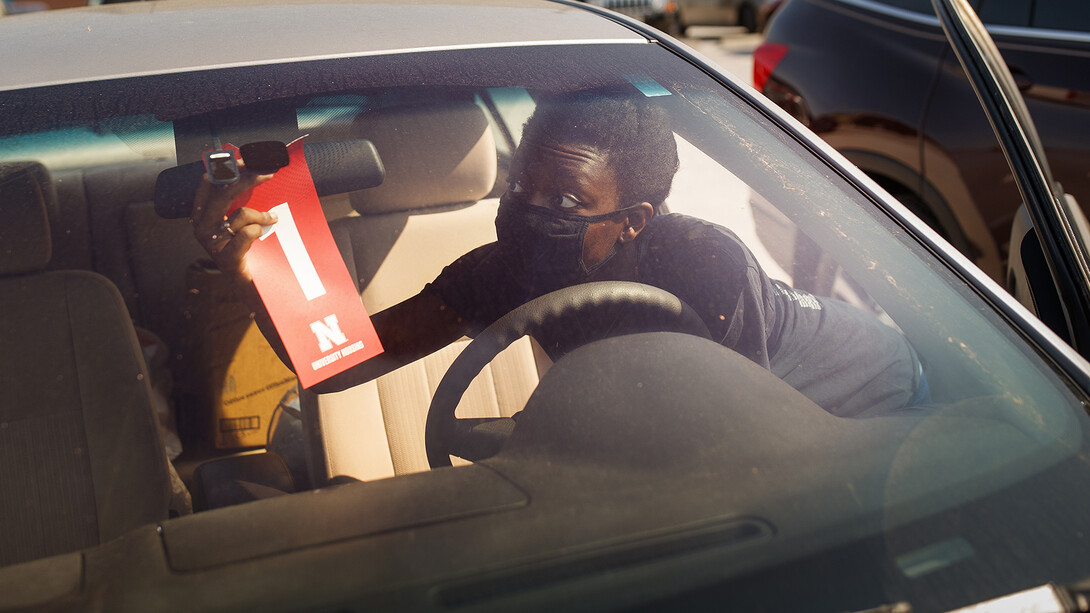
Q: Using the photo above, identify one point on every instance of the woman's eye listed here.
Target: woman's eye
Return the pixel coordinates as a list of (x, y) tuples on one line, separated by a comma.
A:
[(567, 202)]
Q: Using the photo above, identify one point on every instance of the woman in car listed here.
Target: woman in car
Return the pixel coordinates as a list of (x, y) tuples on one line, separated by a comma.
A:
[(582, 205)]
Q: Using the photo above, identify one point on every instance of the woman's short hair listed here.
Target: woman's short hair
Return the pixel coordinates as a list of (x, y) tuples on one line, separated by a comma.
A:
[(632, 132)]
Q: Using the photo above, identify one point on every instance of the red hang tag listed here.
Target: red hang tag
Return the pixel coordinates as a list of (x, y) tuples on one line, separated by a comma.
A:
[(304, 283)]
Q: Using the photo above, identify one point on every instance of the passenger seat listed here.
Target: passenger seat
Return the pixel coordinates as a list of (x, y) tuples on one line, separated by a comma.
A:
[(81, 461)]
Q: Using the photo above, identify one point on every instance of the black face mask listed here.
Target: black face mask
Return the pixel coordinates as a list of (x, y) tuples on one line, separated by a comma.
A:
[(544, 247)]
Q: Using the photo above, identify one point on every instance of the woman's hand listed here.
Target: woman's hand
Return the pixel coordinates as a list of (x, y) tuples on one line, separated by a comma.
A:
[(228, 239)]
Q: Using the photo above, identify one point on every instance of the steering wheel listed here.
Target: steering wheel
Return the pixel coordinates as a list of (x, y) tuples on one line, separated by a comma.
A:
[(566, 318)]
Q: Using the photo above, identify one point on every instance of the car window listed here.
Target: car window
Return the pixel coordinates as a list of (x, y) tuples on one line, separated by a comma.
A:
[(1015, 13), (806, 231), (1043, 14), (123, 139), (1060, 15), (892, 389)]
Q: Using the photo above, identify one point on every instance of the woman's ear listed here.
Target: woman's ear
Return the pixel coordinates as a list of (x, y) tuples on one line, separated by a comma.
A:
[(637, 219)]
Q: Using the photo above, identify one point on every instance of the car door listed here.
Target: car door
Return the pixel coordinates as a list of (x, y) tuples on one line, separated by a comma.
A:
[(1046, 45), (1054, 217)]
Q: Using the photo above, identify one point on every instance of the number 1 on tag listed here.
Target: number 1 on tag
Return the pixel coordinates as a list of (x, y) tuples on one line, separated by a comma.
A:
[(295, 251)]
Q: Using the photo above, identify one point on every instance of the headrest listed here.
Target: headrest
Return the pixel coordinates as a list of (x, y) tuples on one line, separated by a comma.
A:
[(25, 190), (434, 154)]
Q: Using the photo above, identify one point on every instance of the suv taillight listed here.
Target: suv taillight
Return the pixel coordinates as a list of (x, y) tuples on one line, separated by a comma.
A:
[(765, 59)]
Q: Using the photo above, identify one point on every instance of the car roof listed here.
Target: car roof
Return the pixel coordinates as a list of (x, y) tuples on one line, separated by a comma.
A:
[(167, 36)]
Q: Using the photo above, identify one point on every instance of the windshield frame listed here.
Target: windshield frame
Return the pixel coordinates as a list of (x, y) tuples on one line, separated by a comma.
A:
[(917, 237)]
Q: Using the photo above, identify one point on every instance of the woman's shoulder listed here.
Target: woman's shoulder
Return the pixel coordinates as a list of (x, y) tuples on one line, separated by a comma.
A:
[(683, 234)]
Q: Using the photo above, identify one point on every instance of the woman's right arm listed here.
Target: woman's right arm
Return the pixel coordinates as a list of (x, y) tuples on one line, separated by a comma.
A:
[(408, 331)]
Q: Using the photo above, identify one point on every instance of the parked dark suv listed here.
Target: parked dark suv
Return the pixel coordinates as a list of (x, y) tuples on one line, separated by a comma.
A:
[(878, 81)]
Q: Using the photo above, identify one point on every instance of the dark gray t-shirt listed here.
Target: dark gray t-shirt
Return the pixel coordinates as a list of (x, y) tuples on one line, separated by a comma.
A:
[(841, 357)]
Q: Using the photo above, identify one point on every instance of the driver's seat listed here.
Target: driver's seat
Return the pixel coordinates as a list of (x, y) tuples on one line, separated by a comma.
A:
[(441, 166)]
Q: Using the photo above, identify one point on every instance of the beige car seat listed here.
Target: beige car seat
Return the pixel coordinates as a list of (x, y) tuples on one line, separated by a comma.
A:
[(81, 461), (441, 164)]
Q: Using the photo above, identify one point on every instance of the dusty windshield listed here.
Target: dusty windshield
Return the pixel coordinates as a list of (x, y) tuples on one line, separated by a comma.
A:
[(824, 335)]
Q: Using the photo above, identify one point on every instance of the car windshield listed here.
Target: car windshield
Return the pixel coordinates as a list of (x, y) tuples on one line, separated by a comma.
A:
[(840, 383)]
